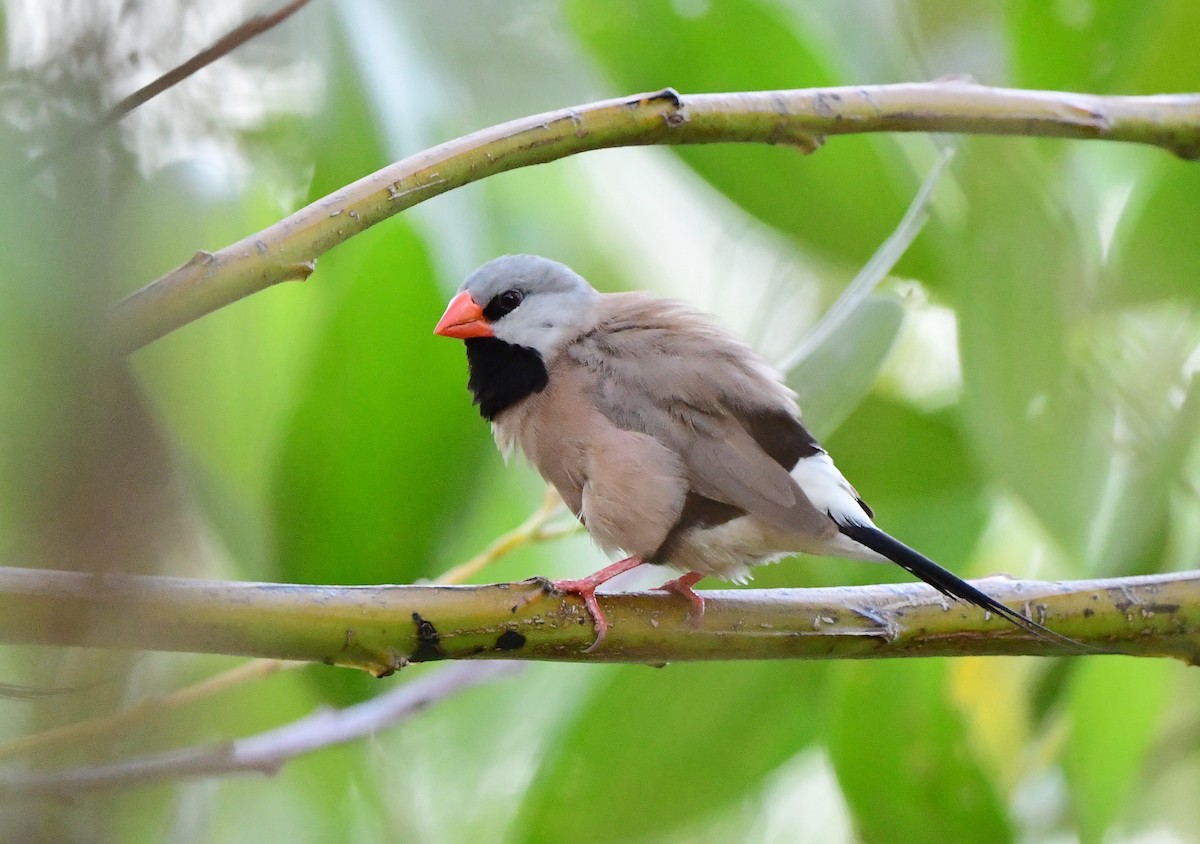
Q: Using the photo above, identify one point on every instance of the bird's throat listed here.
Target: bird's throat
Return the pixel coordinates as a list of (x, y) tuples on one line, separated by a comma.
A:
[(502, 374)]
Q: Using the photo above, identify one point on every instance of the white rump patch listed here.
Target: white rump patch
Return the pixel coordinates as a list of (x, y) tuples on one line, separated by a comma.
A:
[(828, 490)]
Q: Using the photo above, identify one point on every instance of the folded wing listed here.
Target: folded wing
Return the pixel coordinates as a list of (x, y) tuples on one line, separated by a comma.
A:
[(662, 369)]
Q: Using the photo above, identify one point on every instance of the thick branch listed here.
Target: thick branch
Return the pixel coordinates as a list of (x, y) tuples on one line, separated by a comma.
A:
[(288, 250), (381, 628)]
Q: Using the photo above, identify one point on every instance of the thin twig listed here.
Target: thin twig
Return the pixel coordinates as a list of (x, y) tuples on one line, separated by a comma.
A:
[(876, 269), (17, 691), (135, 716), (533, 529), (224, 45), (267, 752)]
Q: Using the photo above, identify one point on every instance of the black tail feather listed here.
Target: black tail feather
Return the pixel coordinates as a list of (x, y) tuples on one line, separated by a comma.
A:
[(947, 582)]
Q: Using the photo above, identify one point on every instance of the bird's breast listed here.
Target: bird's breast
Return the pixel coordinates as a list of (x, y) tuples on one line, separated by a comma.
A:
[(552, 429)]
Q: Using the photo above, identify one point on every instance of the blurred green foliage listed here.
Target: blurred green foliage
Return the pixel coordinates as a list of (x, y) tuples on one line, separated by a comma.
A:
[(1019, 396), (915, 769)]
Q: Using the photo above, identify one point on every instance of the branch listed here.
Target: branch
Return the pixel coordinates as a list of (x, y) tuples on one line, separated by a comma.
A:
[(383, 628), (142, 711), (872, 273), (533, 529), (224, 45), (288, 250), (267, 752)]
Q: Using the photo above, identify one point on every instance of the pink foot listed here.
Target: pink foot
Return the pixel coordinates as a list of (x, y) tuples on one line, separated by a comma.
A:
[(585, 588), (682, 586)]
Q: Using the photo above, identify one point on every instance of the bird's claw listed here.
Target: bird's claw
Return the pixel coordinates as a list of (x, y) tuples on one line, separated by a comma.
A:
[(682, 586), (585, 588)]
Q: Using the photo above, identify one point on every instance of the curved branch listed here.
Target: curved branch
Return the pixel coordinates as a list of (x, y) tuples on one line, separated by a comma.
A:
[(383, 628), (288, 250)]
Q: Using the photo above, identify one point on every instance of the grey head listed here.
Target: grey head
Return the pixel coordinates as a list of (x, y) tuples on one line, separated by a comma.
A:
[(531, 301)]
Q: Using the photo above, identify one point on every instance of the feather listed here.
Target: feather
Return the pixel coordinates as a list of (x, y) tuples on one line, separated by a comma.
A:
[(661, 369), (948, 583)]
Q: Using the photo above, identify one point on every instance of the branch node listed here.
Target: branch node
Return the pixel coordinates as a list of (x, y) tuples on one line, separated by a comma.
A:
[(668, 94), (1188, 151), (885, 624), (300, 271), (1085, 116), (395, 662), (546, 584), (806, 144)]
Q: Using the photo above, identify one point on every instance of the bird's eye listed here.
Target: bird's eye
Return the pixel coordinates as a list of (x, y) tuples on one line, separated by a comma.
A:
[(507, 301)]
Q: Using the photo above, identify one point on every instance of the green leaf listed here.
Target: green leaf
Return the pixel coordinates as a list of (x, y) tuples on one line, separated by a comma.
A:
[(1142, 359), (833, 379), (1023, 276), (1116, 705), (348, 143), (652, 750), (902, 758), (379, 451), (841, 202), (226, 383), (1076, 46), (1114, 47), (1161, 57), (1152, 257)]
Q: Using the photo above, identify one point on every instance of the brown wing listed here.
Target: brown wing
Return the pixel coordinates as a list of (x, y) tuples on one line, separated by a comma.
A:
[(660, 368)]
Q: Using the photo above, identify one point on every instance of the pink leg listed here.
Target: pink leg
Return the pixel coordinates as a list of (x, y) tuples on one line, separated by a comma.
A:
[(586, 588), (682, 586)]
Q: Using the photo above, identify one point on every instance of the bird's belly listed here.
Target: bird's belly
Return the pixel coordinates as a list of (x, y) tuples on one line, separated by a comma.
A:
[(731, 549)]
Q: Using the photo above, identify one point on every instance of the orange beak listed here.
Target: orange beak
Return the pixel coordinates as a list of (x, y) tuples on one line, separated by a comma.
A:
[(463, 319)]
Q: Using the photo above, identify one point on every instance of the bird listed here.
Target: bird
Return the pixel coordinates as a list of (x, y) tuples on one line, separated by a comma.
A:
[(671, 440)]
